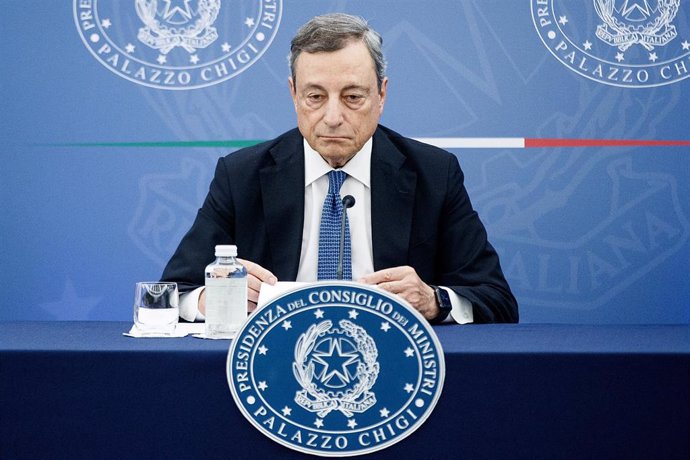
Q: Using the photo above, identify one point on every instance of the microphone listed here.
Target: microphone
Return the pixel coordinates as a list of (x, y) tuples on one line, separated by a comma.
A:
[(348, 202)]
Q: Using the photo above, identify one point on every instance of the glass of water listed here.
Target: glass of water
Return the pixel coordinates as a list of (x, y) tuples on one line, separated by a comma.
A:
[(156, 308)]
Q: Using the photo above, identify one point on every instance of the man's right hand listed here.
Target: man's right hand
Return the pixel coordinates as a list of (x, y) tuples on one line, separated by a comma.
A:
[(256, 274)]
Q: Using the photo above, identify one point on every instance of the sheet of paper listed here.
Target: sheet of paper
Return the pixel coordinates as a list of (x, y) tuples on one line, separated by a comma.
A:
[(269, 293), (181, 330)]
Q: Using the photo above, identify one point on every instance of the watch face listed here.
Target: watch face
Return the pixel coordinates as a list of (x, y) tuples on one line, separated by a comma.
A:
[(443, 299)]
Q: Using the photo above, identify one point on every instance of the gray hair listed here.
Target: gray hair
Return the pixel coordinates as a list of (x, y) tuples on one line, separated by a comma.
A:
[(333, 32)]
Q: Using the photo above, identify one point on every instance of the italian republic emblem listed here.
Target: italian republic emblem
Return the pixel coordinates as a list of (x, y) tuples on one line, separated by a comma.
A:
[(627, 43), (336, 369), (188, 28), (636, 22), (177, 44)]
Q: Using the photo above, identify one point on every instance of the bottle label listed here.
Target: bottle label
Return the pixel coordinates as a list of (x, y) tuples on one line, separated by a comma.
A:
[(226, 304)]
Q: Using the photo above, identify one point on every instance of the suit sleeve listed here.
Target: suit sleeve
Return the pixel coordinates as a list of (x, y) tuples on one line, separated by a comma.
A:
[(214, 224), (468, 263)]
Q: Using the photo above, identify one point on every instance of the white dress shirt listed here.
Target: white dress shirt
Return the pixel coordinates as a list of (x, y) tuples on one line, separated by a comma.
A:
[(357, 184)]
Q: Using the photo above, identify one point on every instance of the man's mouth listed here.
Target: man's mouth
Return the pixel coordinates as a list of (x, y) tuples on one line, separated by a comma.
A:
[(334, 138)]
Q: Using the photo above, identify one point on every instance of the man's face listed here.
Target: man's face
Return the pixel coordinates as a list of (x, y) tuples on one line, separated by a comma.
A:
[(337, 101)]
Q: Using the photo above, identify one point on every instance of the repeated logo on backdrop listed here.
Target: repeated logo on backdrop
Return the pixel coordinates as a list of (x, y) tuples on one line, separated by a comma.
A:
[(630, 43), (336, 369), (177, 44)]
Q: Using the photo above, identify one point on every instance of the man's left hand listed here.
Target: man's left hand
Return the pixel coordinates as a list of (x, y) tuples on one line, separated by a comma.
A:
[(405, 282)]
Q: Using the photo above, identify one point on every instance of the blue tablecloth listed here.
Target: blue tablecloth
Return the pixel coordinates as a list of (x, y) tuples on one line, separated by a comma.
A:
[(82, 390)]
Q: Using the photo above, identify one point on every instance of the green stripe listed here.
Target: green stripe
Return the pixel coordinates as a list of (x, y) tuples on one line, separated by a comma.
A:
[(188, 144)]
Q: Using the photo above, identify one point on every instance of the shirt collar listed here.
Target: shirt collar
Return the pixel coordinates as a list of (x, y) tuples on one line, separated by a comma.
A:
[(359, 166)]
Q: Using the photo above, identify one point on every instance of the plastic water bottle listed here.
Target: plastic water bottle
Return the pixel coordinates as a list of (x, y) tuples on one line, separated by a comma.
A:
[(226, 293)]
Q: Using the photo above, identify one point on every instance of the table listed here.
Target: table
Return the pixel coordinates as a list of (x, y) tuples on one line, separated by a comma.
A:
[(82, 390)]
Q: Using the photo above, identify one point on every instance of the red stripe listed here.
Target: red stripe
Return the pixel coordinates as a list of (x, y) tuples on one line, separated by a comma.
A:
[(536, 143)]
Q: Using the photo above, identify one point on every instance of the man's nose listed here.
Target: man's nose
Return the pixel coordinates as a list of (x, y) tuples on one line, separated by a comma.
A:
[(334, 112)]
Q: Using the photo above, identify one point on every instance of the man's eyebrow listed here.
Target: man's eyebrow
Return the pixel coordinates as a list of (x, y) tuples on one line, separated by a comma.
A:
[(315, 86), (364, 89)]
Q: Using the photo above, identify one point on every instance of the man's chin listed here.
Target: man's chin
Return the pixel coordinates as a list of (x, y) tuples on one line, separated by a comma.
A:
[(336, 157)]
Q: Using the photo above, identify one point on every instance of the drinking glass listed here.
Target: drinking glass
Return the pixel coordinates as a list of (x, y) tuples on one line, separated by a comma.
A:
[(156, 308)]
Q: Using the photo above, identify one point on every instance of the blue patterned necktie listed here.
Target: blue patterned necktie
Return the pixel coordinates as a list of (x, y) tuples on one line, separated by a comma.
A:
[(329, 234)]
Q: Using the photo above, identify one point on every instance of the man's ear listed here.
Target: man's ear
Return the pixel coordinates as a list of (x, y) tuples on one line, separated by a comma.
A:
[(383, 93), (293, 91)]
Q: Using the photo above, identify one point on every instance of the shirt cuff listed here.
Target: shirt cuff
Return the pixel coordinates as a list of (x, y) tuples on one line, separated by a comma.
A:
[(462, 309), (189, 305)]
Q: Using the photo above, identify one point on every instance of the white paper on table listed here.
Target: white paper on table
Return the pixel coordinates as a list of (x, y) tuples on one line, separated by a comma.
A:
[(181, 330), (269, 292), (212, 337)]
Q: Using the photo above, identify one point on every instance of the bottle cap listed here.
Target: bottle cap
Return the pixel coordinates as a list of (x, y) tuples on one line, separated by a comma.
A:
[(226, 250)]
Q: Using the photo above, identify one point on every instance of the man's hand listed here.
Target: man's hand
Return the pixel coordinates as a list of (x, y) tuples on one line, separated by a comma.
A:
[(405, 282), (256, 274)]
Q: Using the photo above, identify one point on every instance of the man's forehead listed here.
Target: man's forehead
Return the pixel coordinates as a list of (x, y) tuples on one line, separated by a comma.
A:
[(318, 56)]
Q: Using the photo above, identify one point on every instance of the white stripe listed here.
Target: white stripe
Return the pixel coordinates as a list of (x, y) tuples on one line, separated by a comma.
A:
[(474, 142)]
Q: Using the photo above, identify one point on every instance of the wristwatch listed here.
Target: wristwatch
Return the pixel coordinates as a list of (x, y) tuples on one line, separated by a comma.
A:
[(443, 300)]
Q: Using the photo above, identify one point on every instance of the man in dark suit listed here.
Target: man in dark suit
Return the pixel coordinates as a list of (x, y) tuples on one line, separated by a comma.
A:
[(413, 230)]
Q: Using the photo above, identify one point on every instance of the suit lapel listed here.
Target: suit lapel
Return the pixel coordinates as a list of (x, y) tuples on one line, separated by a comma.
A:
[(282, 190), (392, 203)]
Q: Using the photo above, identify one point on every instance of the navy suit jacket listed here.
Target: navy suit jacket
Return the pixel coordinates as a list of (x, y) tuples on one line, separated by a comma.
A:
[(420, 212)]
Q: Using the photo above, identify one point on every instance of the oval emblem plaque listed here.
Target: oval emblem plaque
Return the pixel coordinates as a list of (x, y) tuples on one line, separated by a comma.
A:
[(336, 369)]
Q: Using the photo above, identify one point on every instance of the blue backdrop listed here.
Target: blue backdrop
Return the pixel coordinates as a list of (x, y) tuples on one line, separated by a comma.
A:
[(103, 170)]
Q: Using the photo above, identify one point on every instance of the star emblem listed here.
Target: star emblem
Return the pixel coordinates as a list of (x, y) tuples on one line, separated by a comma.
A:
[(130, 48), (384, 413), (685, 45), (179, 13), (194, 59), (336, 367), (653, 57), (409, 352), (286, 325), (634, 9), (409, 388), (318, 423), (352, 314), (249, 22), (620, 57), (351, 423), (263, 385), (563, 20), (263, 349), (587, 45), (385, 326), (318, 313), (162, 59), (106, 23), (286, 411), (225, 47)]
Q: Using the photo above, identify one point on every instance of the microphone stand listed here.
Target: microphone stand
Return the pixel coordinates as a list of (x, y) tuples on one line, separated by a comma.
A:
[(348, 202)]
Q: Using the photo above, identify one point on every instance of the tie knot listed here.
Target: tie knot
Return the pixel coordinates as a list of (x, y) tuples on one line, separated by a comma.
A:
[(335, 181)]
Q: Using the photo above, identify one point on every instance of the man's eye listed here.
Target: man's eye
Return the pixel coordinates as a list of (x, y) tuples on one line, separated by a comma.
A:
[(353, 98), (314, 97)]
